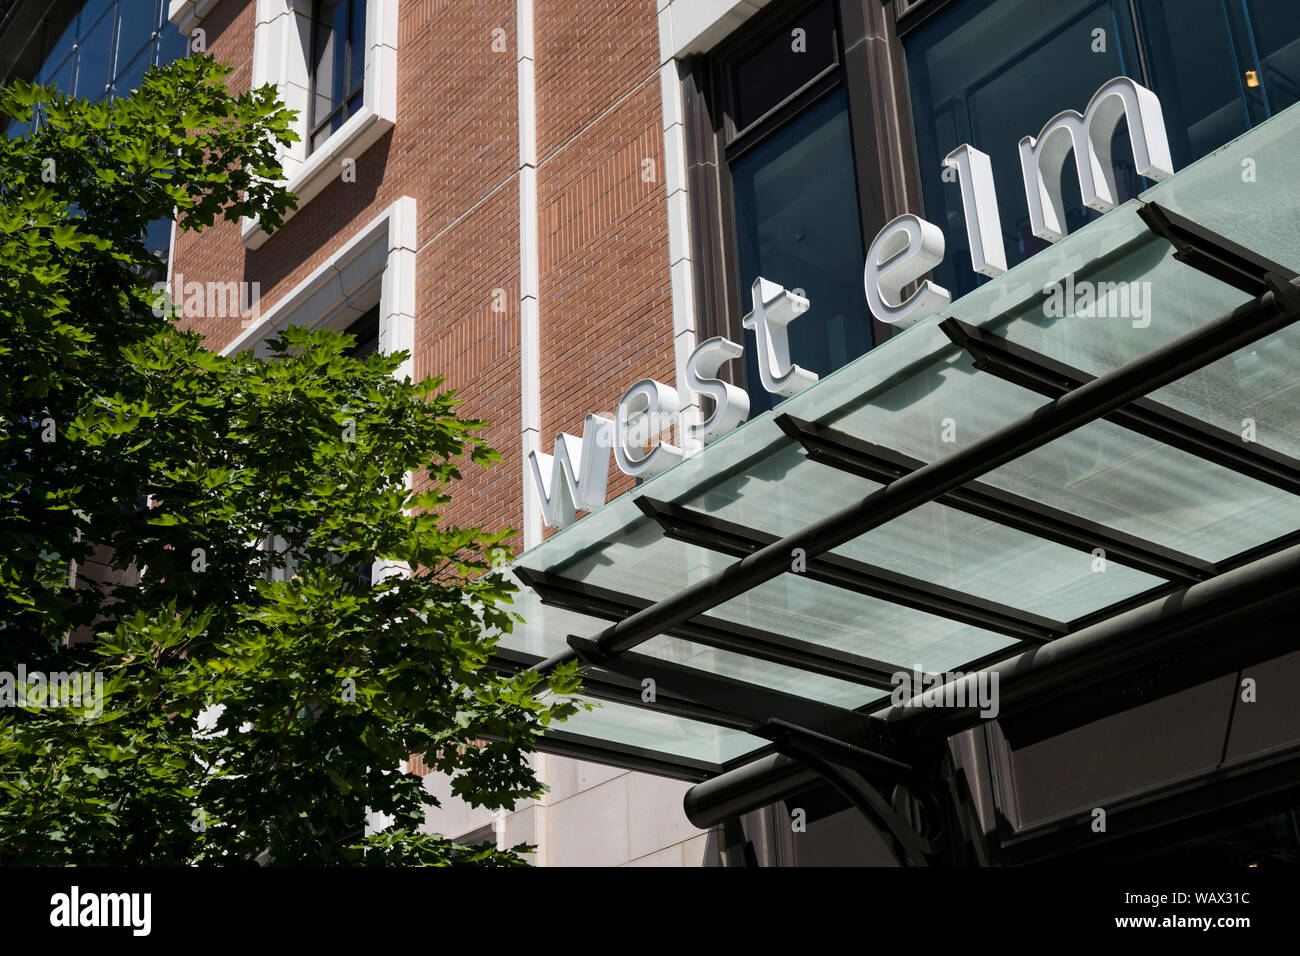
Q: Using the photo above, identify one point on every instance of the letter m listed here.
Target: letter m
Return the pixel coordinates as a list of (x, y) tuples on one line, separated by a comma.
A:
[(564, 490), (119, 905), (64, 688), (223, 299), (1042, 158)]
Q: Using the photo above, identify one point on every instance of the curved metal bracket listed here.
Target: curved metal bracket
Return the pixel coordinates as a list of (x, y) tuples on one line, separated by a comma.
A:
[(827, 756)]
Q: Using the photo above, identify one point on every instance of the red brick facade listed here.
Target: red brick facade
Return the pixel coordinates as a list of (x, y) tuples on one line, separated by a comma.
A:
[(605, 304)]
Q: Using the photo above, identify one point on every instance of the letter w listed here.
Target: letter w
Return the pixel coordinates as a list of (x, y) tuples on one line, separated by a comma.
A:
[(567, 491)]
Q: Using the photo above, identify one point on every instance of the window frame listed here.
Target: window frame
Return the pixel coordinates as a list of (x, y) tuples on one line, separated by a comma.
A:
[(348, 102), (283, 42), (887, 180)]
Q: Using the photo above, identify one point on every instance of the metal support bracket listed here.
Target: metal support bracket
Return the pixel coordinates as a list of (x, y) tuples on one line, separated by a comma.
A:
[(1052, 379), (835, 570), (830, 758), (838, 449), (1207, 251)]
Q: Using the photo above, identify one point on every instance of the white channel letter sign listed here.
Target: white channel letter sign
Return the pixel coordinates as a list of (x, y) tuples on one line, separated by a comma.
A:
[(902, 253), (774, 309), (1088, 136), (730, 403), (646, 410), (567, 490)]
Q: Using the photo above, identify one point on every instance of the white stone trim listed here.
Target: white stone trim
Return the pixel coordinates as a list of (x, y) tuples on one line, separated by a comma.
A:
[(529, 273), (696, 26), (376, 266), (682, 274), (687, 27), (281, 54), (186, 14)]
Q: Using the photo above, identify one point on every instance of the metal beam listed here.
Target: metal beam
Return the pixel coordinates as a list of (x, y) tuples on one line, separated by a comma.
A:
[(559, 591), (1050, 378), (761, 705), (716, 534), (755, 784), (1249, 323), (1169, 628), (848, 453), (615, 688), (1211, 253), (1185, 625), (604, 686), (564, 744), (828, 758), (1239, 560)]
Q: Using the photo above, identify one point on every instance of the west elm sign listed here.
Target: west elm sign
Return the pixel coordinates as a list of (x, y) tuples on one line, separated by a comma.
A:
[(574, 478)]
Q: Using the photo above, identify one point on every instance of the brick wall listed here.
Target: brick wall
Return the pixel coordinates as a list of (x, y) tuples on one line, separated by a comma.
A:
[(604, 297)]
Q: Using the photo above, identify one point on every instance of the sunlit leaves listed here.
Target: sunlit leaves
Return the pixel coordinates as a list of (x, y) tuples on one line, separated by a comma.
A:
[(258, 694)]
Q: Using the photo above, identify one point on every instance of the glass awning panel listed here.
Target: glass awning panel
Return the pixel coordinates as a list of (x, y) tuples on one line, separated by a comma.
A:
[(661, 735), (546, 627), (1171, 489)]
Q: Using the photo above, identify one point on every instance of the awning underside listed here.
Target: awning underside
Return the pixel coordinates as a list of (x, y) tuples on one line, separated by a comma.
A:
[(1197, 475)]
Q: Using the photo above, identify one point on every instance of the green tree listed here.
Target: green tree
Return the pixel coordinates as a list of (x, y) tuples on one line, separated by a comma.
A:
[(258, 691)]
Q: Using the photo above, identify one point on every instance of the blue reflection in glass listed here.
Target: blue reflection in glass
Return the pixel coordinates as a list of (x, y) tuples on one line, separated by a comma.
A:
[(95, 59)]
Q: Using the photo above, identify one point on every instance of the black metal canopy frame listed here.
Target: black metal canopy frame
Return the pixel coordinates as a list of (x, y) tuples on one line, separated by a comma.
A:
[(899, 749)]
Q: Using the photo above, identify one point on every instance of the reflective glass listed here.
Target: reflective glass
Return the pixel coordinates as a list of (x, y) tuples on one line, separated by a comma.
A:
[(991, 73), (797, 225), (137, 21), (640, 561), (1273, 27), (338, 64), (95, 58), (132, 72), (661, 733), (1197, 74), (171, 45), (785, 63), (58, 58)]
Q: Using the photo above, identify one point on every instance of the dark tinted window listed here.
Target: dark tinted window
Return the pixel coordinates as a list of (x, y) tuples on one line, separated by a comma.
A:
[(99, 51), (338, 64), (989, 72), (785, 63), (797, 225), (366, 332)]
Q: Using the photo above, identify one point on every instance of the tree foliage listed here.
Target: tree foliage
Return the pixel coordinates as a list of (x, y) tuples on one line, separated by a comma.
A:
[(258, 691)]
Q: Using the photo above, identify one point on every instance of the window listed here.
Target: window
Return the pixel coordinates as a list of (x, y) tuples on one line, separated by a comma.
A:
[(366, 332), (374, 271), (786, 144), (334, 63), (99, 52), (814, 124), (338, 65), (989, 72)]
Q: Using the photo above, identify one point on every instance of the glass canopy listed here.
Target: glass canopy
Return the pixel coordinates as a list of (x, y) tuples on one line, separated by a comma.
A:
[(1104, 517)]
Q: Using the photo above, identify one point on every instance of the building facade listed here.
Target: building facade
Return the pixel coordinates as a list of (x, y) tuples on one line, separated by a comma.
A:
[(557, 207)]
